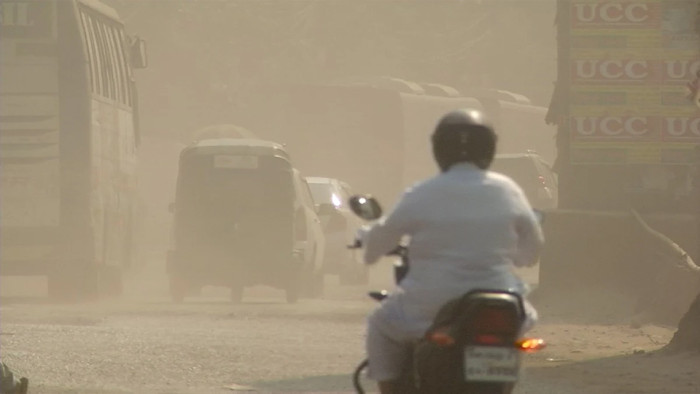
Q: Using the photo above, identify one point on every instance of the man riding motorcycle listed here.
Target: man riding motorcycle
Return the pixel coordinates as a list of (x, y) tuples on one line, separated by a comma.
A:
[(467, 226)]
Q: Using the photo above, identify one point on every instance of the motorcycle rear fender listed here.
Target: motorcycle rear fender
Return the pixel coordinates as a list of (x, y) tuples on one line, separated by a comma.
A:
[(457, 317)]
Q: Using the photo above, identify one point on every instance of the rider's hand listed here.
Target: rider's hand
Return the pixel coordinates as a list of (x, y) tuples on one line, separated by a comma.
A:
[(361, 235)]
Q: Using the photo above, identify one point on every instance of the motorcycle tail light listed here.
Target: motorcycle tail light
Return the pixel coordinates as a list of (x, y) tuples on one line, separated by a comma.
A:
[(489, 339), (531, 344), (495, 320), (494, 326), (441, 337)]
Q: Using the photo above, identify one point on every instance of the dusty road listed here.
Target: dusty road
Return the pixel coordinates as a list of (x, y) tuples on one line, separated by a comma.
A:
[(143, 343)]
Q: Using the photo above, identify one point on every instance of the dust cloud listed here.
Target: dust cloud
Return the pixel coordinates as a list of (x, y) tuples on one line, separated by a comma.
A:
[(268, 66), (350, 89), (345, 89)]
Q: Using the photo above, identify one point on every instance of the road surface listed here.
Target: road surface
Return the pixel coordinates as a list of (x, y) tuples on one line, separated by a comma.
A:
[(143, 343)]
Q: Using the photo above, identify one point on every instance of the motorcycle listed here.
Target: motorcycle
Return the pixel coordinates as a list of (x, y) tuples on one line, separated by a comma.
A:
[(473, 345)]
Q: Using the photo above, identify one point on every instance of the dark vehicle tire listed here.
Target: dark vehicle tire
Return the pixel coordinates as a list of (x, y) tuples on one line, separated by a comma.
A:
[(23, 386), (178, 288)]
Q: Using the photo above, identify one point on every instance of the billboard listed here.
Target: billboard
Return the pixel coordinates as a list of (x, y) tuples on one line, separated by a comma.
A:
[(629, 64)]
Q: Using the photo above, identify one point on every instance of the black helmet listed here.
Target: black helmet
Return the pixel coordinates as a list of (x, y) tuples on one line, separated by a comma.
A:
[(464, 135)]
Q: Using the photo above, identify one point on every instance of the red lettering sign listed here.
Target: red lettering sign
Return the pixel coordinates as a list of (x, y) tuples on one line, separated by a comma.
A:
[(616, 70), (619, 127), (631, 14), (681, 128), (680, 71)]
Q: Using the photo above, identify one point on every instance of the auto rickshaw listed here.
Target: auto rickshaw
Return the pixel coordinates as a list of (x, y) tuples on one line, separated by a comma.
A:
[(234, 221)]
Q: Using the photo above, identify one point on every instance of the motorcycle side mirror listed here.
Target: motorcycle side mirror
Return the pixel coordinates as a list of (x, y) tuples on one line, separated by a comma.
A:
[(365, 206)]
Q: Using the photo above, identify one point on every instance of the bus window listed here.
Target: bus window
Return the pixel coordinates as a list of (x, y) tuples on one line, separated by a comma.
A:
[(101, 68), (26, 19), (121, 65), (106, 60), (114, 61), (92, 53), (124, 51)]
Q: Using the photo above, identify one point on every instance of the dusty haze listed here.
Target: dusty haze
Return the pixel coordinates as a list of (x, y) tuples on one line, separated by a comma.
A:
[(265, 69), (207, 58)]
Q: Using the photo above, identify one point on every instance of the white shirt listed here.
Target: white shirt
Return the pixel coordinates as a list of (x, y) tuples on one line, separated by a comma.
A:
[(467, 230)]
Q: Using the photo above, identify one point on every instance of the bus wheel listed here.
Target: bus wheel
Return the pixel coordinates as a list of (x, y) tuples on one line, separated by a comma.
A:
[(178, 288)]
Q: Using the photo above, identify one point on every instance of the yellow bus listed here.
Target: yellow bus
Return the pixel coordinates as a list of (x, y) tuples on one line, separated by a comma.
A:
[(68, 138)]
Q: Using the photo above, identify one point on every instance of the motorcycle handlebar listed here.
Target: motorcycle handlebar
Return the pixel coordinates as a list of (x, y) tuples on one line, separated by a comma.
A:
[(356, 245), (399, 250)]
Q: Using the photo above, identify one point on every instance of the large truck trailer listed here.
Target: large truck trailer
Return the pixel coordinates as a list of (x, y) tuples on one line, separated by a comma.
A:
[(375, 133)]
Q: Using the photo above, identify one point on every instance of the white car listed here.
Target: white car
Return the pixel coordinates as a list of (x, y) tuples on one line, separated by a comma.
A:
[(310, 238), (339, 226), (533, 174)]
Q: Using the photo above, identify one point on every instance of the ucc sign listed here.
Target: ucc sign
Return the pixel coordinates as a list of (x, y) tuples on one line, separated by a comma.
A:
[(636, 127), (630, 70), (627, 70), (629, 13), (612, 126), (682, 127)]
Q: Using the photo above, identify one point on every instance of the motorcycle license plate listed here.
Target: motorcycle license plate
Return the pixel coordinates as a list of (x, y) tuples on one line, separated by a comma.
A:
[(491, 364)]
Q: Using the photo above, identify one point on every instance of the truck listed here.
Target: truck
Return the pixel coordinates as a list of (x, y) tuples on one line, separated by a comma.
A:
[(374, 132)]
